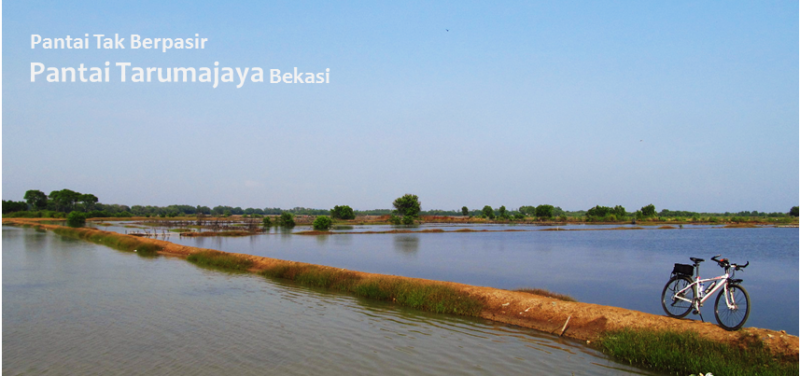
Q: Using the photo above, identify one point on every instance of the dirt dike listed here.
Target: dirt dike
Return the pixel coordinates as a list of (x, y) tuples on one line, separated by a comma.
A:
[(579, 321)]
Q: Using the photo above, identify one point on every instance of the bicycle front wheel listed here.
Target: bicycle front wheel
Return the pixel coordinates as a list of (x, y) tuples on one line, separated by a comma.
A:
[(731, 313), (674, 303)]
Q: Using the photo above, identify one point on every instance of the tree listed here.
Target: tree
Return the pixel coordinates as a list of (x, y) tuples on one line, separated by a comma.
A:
[(464, 211), (322, 223), (407, 206), (502, 213), (89, 201), (286, 219), (488, 212), (794, 211), (648, 211), (343, 212), (544, 211), (64, 199), (619, 212), (76, 219), (36, 199), (528, 210), (266, 222)]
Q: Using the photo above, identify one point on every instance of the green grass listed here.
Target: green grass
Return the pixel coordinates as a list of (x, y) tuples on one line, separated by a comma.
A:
[(686, 353), (113, 240), (220, 260), (549, 294), (431, 297)]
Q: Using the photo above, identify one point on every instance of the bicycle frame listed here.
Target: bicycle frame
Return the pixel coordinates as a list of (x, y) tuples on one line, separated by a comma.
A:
[(701, 296)]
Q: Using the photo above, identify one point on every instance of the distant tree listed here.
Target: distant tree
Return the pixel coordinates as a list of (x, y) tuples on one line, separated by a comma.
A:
[(619, 212), (407, 206), (64, 199), (648, 211), (76, 219), (488, 212), (544, 211), (286, 219), (227, 213), (14, 206), (322, 223), (528, 210), (88, 200), (36, 199), (266, 222), (793, 212), (502, 213), (464, 211), (343, 212)]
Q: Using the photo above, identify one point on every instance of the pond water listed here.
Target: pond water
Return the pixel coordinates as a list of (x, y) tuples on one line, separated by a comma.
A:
[(627, 268), (72, 307)]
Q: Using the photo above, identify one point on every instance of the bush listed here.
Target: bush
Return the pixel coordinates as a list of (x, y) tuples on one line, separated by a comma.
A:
[(266, 222), (408, 220), (76, 219), (322, 223), (343, 212), (395, 220), (544, 211), (286, 219), (407, 206), (488, 212)]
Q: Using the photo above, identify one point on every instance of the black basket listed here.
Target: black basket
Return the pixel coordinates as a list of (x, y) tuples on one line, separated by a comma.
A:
[(683, 269)]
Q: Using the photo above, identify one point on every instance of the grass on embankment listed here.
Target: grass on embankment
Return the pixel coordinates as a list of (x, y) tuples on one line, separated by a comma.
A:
[(426, 296), (686, 353), (113, 240), (221, 260)]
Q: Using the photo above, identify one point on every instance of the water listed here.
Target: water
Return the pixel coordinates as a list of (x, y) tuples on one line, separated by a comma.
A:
[(72, 307), (619, 268)]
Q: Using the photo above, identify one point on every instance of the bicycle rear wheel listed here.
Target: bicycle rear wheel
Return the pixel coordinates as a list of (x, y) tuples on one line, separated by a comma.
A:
[(733, 317), (673, 306)]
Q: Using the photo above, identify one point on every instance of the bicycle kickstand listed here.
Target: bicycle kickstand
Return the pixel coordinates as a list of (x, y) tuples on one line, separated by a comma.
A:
[(698, 312)]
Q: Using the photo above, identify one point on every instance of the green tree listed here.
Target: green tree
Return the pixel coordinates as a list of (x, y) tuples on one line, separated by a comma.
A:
[(286, 219), (619, 212), (343, 212), (226, 213), (528, 210), (266, 222), (76, 219), (88, 200), (502, 213), (407, 206), (648, 211), (793, 212), (464, 211), (36, 199), (64, 199), (544, 211), (322, 223), (488, 212)]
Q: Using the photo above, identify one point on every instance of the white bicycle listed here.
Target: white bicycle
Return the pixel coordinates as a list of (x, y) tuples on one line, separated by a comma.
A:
[(682, 295)]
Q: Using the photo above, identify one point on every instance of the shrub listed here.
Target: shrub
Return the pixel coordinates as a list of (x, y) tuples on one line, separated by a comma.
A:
[(266, 222), (408, 205), (322, 223), (395, 220), (488, 212), (286, 219), (544, 211), (76, 219), (343, 212), (408, 220)]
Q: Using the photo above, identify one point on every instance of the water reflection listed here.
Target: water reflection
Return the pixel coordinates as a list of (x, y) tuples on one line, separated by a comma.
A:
[(407, 245)]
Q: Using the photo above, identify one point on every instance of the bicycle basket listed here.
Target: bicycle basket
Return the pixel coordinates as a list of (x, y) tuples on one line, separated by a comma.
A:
[(683, 269)]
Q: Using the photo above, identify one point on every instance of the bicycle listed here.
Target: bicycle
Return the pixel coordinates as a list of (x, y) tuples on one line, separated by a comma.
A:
[(682, 295)]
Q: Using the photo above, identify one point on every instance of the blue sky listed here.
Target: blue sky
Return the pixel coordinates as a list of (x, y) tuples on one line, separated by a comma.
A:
[(686, 105)]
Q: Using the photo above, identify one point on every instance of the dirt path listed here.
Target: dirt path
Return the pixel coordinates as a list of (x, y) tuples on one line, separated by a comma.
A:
[(586, 321)]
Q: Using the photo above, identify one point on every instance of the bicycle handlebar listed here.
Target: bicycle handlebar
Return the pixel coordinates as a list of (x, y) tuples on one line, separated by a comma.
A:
[(725, 263)]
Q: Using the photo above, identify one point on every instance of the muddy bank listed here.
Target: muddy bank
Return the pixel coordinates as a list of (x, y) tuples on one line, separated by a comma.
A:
[(587, 322)]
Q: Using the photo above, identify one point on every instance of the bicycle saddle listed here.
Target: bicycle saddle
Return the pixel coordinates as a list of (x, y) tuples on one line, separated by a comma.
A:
[(696, 260)]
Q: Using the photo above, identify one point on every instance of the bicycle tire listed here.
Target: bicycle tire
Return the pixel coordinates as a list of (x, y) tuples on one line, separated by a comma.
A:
[(733, 319), (677, 308)]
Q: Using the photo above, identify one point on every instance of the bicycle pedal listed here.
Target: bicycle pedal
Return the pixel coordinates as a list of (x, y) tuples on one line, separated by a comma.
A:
[(694, 312)]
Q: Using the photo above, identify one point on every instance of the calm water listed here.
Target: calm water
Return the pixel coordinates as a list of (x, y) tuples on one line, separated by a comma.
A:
[(72, 307), (619, 268)]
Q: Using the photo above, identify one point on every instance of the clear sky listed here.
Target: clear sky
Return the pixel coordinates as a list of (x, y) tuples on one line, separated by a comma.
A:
[(686, 105)]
